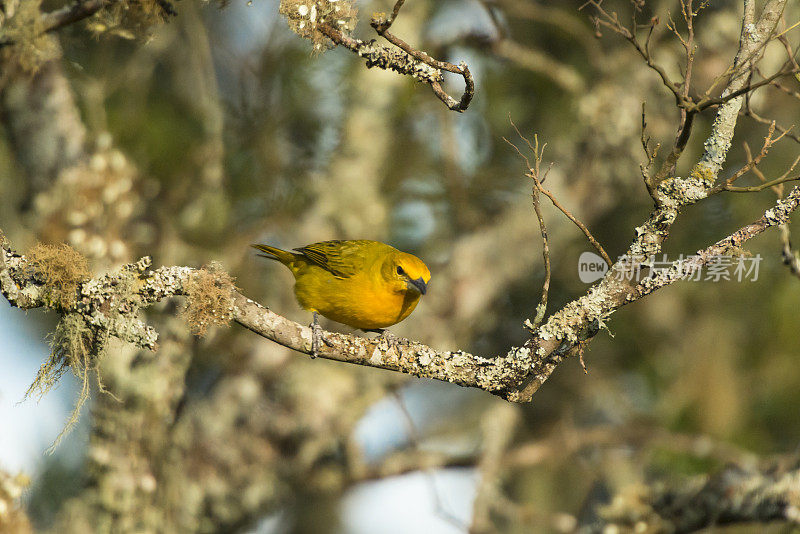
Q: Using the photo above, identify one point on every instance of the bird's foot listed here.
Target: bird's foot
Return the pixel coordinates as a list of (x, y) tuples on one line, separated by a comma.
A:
[(316, 336), (393, 341)]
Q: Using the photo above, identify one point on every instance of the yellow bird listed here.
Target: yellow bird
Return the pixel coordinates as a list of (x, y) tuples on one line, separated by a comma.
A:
[(364, 284)]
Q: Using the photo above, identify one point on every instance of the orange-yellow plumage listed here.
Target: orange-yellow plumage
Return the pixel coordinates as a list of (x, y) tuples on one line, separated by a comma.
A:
[(363, 284)]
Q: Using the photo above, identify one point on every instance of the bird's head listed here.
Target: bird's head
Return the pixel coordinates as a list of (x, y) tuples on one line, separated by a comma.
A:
[(405, 272)]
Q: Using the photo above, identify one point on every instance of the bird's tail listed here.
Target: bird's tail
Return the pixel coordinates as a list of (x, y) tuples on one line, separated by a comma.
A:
[(273, 253)]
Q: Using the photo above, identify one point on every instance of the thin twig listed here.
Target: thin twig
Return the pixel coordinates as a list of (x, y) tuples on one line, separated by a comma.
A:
[(680, 91), (538, 178), (749, 88), (790, 257), (532, 172), (611, 21), (580, 225), (752, 162), (761, 187), (542, 307), (748, 112), (651, 156)]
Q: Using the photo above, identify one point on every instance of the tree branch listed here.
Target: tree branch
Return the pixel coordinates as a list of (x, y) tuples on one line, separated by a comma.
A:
[(680, 270), (381, 24), (67, 15), (407, 61), (108, 303), (581, 319), (377, 55), (111, 303), (734, 495), (55, 20)]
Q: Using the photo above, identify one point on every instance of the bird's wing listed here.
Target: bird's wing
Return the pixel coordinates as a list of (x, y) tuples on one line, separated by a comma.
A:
[(342, 258)]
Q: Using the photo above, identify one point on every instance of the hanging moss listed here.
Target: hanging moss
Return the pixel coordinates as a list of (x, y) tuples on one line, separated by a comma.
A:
[(208, 299), (61, 268), (74, 346)]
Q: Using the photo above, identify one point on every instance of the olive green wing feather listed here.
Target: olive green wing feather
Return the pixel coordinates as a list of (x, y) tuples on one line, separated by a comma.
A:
[(342, 258)]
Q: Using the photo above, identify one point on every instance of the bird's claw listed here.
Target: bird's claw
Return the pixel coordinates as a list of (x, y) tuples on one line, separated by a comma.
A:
[(393, 341), (316, 336)]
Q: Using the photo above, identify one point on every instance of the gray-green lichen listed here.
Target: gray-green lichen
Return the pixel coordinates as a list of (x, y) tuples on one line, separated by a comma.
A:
[(675, 193), (377, 55)]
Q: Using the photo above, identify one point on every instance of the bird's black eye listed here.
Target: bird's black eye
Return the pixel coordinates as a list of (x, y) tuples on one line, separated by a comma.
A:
[(400, 271)]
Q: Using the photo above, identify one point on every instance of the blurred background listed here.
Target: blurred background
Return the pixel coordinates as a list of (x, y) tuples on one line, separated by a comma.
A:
[(189, 140)]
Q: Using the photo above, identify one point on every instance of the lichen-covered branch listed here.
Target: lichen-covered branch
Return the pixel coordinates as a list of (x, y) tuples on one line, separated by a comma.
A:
[(381, 23), (790, 256), (680, 270), (734, 495), (378, 55), (754, 36), (110, 303), (495, 375), (325, 21)]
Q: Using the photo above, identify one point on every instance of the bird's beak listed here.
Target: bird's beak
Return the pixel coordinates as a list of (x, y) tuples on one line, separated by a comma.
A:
[(418, 285)]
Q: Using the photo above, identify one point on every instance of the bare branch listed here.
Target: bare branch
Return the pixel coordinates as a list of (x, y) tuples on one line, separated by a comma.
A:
[(611, 21), (596, 244), (538, 178), (726, 185), (542, 307), (651, 157), (748, 112), (761, 187), (533, 172), (786, 70)]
